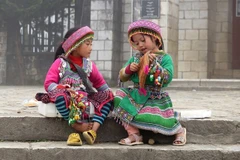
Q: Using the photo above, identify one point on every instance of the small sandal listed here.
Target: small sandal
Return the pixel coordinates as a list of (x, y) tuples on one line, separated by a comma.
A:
[(136, 140), (181, 137), (74, 140), (90, 136)]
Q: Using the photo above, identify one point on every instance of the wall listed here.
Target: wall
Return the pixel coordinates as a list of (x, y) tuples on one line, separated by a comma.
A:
[(106, 23), (127, 18), (205, 39), (170, 14), (196, 33), (193, 39)]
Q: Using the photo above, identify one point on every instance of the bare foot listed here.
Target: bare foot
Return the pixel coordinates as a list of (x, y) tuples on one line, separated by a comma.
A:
[(81, 127), (181, 138)]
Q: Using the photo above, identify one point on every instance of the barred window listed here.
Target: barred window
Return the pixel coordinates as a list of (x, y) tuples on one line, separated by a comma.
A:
[(45, 32)]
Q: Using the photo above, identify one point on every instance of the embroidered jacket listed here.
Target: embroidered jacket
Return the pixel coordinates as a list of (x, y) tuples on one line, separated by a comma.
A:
[(60, 73)]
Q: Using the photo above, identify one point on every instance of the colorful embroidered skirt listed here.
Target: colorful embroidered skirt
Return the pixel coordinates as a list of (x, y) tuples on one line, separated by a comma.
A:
[(98, 99), (152, 112)]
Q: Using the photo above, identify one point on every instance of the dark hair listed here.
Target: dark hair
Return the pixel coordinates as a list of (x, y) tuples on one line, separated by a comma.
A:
[(156, 42), (162, 46), (60, 50)]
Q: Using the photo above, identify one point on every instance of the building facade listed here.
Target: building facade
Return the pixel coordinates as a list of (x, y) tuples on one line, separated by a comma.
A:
[(201, 36)]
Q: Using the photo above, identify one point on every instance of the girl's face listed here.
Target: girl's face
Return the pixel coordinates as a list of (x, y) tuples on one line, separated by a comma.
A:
[(84, 50), (144, 43)]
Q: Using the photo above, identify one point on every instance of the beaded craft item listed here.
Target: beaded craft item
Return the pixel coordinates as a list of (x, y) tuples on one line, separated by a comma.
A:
[(78, 106), (143, 72)]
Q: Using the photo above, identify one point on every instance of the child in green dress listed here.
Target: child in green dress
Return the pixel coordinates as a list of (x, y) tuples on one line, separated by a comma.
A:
[(146, 106)]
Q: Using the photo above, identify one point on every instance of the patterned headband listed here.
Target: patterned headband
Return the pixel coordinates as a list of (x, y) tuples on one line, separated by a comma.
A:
[(76, 39), (144, 27)]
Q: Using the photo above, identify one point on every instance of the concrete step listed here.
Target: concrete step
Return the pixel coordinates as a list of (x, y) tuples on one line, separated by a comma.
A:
[(113, 151), (205, 84), (199, 131), (200, 84)]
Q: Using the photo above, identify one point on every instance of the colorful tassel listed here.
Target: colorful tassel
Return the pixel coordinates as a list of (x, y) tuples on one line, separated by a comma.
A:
[(142, 91), (146, 69)]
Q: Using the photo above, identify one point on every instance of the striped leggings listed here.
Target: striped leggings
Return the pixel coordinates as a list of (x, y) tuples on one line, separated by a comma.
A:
[(64, 111)]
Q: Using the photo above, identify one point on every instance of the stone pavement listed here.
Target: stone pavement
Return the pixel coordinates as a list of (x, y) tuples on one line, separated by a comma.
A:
[(224, 104), (25, 134)]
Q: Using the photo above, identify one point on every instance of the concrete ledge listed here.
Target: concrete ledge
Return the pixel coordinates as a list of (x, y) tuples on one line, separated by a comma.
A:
[(212, 84), (60, 151), (201, 84), (206, 131)]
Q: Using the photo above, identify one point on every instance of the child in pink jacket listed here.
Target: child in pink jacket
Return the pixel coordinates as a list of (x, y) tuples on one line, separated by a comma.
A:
[(72, 91)]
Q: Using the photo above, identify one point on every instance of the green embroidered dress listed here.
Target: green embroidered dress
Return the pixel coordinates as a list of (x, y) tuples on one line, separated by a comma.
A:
[(152, 111)]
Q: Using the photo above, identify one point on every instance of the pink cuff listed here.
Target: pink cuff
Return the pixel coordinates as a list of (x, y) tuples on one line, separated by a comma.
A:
[(127, 70)]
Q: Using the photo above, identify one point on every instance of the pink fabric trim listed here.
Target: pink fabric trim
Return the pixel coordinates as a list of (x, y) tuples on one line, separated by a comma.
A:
[(166, 114), (142, 91), (120, 93), (52, 75), (80, 33)]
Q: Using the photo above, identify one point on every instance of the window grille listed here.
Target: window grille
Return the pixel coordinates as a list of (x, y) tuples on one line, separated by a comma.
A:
[(45, 32)]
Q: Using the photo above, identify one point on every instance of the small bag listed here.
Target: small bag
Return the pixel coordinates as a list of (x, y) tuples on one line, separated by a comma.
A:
[(50, 110)]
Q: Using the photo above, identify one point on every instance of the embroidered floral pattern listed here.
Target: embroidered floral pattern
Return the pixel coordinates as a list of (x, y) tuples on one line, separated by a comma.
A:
[(87, 66), (151, 88), (138, 106), (165, 76), (124, 115), (72, 78)]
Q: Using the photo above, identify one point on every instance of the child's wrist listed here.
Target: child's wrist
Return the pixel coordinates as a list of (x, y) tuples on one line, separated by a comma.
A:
[(128, 70)]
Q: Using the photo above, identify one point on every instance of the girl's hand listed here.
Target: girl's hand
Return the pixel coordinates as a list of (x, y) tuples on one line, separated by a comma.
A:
[(152, 57), (71, 91), (134, 67)]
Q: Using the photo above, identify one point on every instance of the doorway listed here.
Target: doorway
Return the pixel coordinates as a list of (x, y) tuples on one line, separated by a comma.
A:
[(236, 35)]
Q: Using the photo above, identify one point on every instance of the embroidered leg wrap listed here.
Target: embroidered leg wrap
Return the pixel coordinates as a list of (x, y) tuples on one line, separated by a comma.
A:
[(105, 111), (61, 107)]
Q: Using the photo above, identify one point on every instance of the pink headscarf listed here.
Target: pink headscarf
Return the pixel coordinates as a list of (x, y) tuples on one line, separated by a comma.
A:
[(76, 39), (144, 27)]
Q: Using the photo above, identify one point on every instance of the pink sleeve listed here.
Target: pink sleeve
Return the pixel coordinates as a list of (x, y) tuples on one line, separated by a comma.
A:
[(127, 70), (52, 76), (96, 77)]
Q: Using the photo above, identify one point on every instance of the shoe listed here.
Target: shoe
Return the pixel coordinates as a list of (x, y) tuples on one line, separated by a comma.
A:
[(90, 136), (181, 137), (131, 140), (74, 140)]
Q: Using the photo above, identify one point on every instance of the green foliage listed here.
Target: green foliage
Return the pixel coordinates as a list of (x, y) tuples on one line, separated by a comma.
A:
[(27, 9)]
